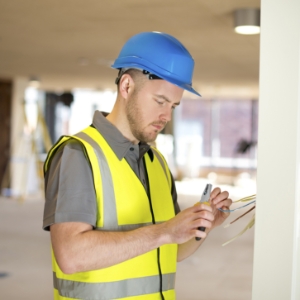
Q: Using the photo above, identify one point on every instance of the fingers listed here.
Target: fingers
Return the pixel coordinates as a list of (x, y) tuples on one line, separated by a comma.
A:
[(200, 206), (220, 199), (198, 212), (225, 204), (215, 192), (202, 222), (184, 225), (199, 234), (205, 223), (202, 217), (216, 195)]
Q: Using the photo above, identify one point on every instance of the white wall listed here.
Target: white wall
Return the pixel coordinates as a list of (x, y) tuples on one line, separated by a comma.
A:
[(276, 249)]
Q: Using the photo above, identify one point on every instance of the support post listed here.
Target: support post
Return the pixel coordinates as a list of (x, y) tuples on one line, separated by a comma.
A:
[(276, 273)]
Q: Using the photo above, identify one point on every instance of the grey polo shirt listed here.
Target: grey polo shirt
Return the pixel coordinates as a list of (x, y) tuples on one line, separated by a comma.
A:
[(69, 186)]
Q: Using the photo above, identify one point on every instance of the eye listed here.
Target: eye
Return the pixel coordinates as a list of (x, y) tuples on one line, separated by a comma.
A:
[(159, 102)]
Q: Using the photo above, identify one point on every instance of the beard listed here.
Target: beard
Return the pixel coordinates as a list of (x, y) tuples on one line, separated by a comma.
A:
[(135, 120)]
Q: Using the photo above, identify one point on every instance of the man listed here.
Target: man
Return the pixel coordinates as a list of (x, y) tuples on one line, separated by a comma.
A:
[(111, 204)]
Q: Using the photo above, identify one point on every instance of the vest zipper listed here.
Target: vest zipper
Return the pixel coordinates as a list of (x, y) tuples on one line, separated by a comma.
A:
[(153, 222)]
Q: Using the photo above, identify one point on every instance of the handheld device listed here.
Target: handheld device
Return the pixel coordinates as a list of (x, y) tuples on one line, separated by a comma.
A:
[(204, 200)]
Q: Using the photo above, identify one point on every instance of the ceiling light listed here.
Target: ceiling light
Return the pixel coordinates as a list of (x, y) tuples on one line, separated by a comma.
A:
[(34, 81), (247, 21)]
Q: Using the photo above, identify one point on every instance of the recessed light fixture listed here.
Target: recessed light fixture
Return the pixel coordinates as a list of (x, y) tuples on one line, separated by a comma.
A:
[(34, 81), (247, 21)]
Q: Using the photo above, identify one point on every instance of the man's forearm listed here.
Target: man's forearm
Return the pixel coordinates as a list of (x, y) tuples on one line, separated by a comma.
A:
[(78, 248), (91, 249)]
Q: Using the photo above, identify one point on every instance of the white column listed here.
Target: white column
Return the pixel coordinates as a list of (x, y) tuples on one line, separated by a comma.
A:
[(276, 249), (17, 135)]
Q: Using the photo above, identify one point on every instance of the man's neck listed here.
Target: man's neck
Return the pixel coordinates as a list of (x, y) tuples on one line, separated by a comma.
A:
[(119, 120)]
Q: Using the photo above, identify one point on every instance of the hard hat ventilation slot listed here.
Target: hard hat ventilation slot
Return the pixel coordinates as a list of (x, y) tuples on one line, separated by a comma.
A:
[(151, 76), (123, 70)]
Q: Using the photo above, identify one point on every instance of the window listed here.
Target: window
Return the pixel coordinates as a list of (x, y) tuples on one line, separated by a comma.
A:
[(216, 133)]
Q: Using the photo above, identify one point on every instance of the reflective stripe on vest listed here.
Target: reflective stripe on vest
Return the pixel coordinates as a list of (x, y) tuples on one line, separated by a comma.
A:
[(113, 290), (109, 175)]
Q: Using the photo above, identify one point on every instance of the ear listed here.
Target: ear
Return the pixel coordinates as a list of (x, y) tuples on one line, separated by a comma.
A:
[(126, 85)]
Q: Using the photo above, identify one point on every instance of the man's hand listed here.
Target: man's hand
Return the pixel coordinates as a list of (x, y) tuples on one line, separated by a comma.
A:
[(184, 226), (208, 216), (219, 199)]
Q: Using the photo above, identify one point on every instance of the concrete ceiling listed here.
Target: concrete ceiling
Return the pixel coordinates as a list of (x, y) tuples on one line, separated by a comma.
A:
[(72, 43)]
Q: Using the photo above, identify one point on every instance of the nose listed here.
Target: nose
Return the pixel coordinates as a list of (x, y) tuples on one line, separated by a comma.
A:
[(167, 114)]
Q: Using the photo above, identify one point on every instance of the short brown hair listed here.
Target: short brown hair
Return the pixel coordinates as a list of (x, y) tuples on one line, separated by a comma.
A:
[(137, 76)]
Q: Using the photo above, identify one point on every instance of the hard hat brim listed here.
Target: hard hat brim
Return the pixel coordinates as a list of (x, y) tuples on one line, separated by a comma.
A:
[(178, 83)]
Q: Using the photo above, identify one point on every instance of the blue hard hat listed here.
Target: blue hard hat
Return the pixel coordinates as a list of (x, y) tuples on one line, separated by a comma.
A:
[(159, 54)]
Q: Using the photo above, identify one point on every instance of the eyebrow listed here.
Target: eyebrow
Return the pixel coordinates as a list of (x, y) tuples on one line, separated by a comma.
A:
[(166, 99)]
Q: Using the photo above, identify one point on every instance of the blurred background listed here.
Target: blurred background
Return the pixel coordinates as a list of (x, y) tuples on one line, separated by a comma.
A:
[(55, 59)]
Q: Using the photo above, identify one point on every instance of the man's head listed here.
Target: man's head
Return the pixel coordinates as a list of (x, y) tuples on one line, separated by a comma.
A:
[(147, 105), (154, 70)]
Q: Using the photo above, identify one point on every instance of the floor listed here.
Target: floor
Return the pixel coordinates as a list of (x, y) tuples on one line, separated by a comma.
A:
[(214, 272)]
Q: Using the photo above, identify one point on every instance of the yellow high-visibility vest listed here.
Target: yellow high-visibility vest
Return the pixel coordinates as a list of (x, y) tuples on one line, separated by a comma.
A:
[(123, 204)]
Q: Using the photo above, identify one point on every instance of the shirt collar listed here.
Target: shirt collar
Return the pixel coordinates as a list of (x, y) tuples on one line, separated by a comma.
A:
[(119, 144)]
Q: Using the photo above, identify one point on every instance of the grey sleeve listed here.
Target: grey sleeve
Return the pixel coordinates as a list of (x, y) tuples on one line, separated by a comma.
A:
[(69, 188)]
